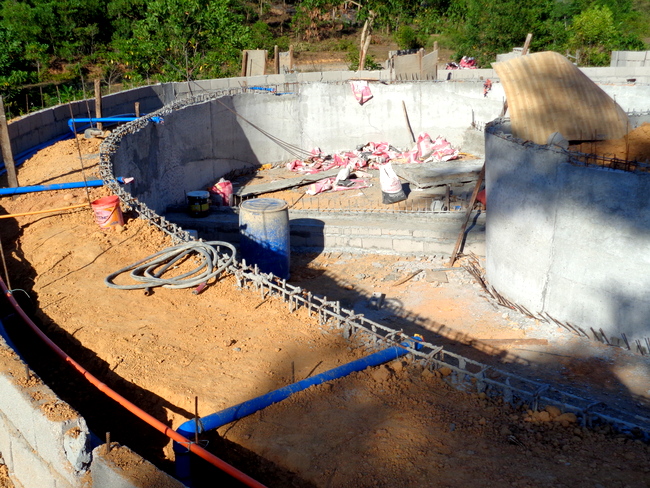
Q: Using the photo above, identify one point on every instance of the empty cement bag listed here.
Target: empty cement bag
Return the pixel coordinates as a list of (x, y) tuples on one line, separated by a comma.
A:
[(391, 187)]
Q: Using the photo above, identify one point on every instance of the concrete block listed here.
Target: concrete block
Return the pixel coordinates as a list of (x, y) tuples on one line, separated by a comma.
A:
[(407, 245), (425, 233), (377, 243), (356, 242), (61, 443), (396, 232), (310, 77), (138, 473)]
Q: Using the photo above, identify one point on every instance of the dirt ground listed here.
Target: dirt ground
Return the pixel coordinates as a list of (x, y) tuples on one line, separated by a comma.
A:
[(394, 425)]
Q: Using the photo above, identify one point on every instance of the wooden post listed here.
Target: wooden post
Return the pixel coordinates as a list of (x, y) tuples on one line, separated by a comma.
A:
[(290, 58), (408, 123), (472, 201), (98, 103), (364, 52), (5, 143), (137, 109), (524, 51), (244, 62), (276, 59), (435, 45), (420, 56)]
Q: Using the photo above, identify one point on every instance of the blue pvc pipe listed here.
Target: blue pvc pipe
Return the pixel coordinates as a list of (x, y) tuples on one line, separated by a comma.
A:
[(72, 122), (216, 420), (58, 186)]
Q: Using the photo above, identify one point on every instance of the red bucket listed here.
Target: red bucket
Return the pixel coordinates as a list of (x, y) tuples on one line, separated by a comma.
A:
[(107, 211)]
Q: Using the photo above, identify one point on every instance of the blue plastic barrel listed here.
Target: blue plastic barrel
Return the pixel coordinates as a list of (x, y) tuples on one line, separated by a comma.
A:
[(264, 235)]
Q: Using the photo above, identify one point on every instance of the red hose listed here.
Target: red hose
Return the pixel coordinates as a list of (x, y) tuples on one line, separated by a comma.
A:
[(138, 412)]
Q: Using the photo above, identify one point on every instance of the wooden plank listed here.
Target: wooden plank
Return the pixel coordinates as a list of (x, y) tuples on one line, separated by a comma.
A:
[(293, 182), (472, 200), (426, 175), (546, 93)]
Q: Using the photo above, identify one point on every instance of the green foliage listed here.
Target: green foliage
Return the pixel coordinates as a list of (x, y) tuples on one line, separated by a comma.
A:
[(407, 38), (262, 37), (595, 34), (12, 72), (489, 28), (181, 39), (353, 61)]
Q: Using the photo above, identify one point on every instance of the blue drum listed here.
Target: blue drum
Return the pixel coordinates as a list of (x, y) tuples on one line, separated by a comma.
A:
[(264, 235)]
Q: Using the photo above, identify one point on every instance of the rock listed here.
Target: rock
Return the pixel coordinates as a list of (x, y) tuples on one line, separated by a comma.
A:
[(432, 276), (445, 371), (542, 416), (553, 411), (427, 374), (568, 418), (397, 366), (505, 430), (380, 374)]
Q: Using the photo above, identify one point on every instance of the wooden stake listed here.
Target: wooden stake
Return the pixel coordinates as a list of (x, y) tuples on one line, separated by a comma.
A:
[(98, 103), (244, 62), (364, 52), (408, 123), (137, 109), (472, 201), (276, 60), (5, 143), (291, 58)]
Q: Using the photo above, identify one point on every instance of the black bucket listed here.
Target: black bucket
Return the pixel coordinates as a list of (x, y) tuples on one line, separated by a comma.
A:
[(198, 203)]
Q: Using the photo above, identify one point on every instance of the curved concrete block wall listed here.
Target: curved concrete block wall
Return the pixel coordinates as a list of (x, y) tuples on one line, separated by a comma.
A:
[(568, 240), (203, 140)]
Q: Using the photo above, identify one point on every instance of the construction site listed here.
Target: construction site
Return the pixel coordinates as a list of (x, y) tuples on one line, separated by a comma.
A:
[(265, 306)]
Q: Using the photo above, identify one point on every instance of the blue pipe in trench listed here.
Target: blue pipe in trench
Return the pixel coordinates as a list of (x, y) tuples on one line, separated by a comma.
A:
[(58, 186), (218, 419)]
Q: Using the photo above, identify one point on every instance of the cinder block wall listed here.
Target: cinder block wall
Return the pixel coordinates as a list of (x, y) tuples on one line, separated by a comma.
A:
[(46, 444), (566, 239)]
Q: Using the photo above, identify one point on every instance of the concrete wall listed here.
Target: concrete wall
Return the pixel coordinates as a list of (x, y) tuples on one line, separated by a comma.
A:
[(43, 442), (630, 58), (45, 125), (46, 444), (201, 142), (565, 239)]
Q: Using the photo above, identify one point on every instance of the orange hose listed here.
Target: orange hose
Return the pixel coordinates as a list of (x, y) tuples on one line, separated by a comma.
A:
[(43, 211), (137, 411)]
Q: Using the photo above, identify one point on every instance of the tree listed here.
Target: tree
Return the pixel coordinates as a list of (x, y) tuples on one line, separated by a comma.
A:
[(483, 28), (185, 39), (595, 34)]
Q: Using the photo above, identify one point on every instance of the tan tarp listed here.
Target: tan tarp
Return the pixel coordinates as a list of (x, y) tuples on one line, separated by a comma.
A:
[(546, 93)]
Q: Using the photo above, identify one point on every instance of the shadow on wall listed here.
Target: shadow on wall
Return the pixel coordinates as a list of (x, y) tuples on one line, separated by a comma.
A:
[(193, 148), (568, 239)]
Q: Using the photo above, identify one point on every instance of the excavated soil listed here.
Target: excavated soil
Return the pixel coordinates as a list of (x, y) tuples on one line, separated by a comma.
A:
[(394, 425)]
